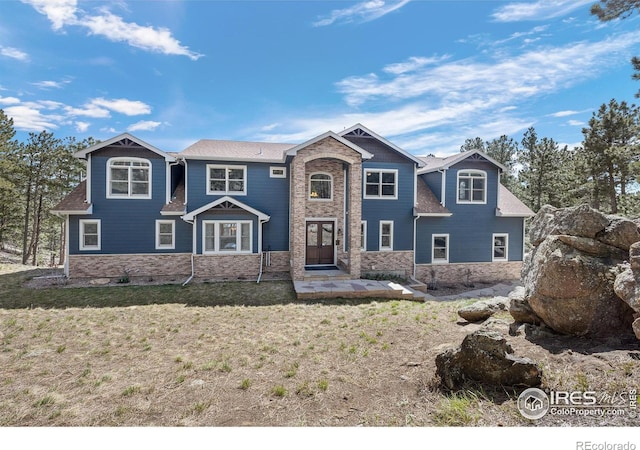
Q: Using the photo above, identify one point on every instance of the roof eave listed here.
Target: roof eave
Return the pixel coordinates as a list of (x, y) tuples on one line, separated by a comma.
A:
[(365, 154), (73, 212), (418, 161), (82, 154), (231, 159)]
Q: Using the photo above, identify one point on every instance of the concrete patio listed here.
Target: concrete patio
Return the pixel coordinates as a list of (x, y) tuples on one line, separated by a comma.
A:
[(337, 288)]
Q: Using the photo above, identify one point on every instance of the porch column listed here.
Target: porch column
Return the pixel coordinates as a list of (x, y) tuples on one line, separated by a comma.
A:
[(355, 217), (297, 232)]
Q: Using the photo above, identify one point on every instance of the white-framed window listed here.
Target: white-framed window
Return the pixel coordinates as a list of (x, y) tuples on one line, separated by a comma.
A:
[(226, 180), (363, 235), (320, 186), (381, 183), (90, 234), (277, 172), (500, 247), (386, 235), (128, 178), (439, 248), (165, 234), (227, 236), (472, 186)]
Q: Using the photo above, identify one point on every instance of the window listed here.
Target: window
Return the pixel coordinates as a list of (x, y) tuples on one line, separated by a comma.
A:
[(472, 186), (128, 178), (363, 235), (380, 184), (277, 172), (222, 236), (386, 235), (320, 186), (500, 247), (440, 248), (226, 180), (165, 235), (89, 235)]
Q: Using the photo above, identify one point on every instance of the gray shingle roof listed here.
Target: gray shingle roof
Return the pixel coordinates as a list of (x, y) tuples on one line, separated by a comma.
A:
[(75, 201), (236, 151), (427, 203), (510, 205)]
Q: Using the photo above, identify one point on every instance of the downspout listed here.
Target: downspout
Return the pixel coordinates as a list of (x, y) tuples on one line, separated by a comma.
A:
[(415, 268), (193, 252), (443, 187), (261, 222)]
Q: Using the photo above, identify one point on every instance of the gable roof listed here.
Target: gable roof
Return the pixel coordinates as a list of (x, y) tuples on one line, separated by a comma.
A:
[(75, 202), (365, 154), (123, 137), (236, 151), (261, 216), (433, 164), (373, 134), (511, 206)]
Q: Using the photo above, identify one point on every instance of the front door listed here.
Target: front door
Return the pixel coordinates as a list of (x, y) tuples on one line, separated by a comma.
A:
[(320, 243)]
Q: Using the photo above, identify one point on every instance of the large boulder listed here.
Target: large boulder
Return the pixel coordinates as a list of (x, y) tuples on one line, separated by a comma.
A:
[(572, 291), (627, 285), (485, 357), (570, 274)]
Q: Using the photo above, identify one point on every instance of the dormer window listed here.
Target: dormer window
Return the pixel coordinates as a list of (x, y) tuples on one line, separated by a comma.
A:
[(472, 186), (320, 186), (128, 178)]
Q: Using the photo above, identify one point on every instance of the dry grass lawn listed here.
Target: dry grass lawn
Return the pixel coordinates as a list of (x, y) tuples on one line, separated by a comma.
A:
[(234, 354)]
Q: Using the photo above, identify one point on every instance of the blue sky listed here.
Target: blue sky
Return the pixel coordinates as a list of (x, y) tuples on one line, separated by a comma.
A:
[(424, 74)]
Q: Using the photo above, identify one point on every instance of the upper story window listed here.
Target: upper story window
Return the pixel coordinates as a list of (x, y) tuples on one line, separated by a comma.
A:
[(472, 186), (128, 178), (226, 180), (381, 183), (320, 186)]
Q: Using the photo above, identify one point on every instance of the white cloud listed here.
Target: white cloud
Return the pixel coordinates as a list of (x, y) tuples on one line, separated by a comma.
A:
[(122, 106), (576, 123), (88, 110), (567, 113), (29, 118), (59, 12), (158, 40), (413, 102), (144, 125), (9, 101), (14, 53), (48, 84), (539, 10), (82, 127), (63, 13), (412, 64), (365, 11)]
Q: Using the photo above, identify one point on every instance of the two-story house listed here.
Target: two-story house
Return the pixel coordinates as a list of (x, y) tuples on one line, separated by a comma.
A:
[(227, 209)]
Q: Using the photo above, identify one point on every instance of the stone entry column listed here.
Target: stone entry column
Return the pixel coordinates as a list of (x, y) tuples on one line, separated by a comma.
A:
[(355, 217)]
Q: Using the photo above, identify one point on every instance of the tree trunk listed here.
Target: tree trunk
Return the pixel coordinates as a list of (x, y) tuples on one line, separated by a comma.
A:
[(612, 191)]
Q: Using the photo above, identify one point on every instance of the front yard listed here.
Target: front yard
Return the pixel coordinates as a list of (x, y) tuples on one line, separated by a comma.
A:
[(229, 354)]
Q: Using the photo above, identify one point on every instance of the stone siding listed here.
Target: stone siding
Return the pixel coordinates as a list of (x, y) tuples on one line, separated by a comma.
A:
[(469, 272), (387, 262), (327, 155), (111, 266), (280, 262)]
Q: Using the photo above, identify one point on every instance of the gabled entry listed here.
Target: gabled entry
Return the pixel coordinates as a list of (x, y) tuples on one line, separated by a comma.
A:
[(320, 243)]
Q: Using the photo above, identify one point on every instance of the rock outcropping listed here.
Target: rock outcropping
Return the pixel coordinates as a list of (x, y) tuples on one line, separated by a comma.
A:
[(485, 356), (570, 275)]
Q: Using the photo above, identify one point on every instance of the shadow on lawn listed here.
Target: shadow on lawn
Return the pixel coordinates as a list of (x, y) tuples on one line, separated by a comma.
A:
[(15, 294)]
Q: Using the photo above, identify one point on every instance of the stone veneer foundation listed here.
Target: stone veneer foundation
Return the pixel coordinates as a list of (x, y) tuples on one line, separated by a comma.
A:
[(206, 266), (387, 262), (488, 272)]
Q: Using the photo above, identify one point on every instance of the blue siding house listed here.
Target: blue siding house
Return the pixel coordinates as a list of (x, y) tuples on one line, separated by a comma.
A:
[(238, 210)]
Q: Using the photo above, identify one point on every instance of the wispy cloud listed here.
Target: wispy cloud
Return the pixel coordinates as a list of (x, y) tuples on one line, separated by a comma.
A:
[(50, 84), (103, 23), (567, 113), (144, 125), (50, 115), (361, 12), (415, 100), (539, 10), (14, 53)]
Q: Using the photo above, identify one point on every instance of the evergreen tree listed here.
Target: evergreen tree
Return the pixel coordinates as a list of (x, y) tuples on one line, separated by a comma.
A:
[(544, 170), (9, 203), (610, 148), (472, 144), (505, 151)]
